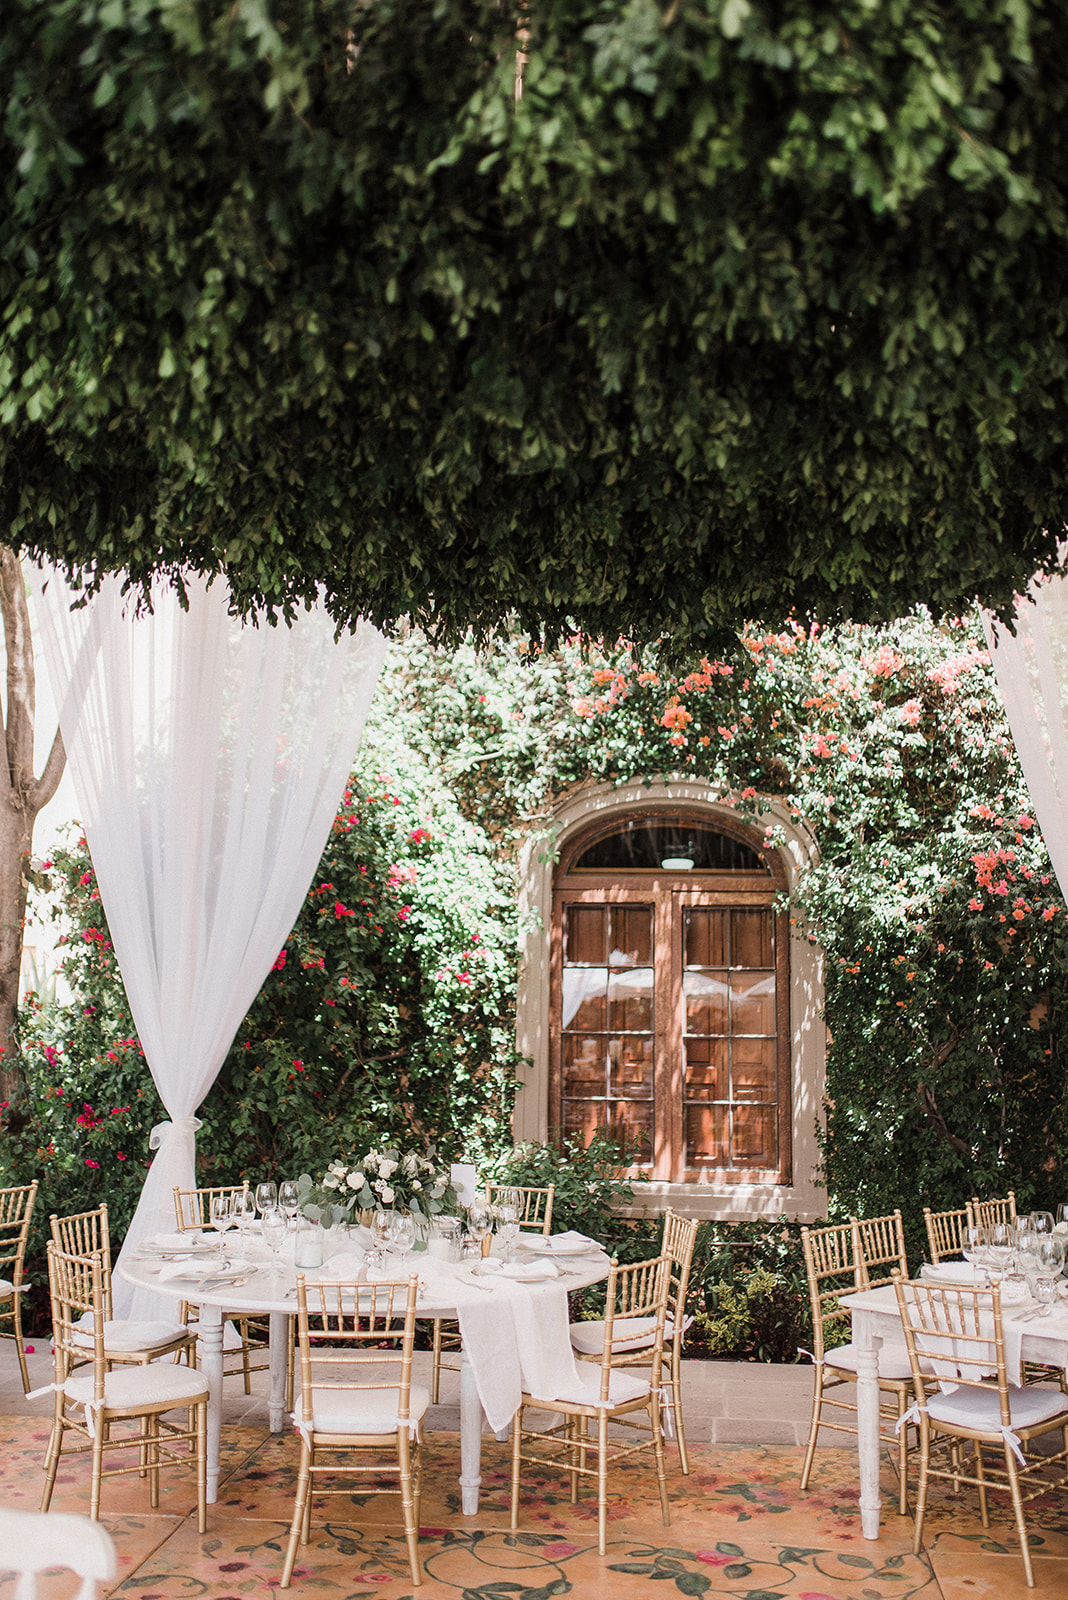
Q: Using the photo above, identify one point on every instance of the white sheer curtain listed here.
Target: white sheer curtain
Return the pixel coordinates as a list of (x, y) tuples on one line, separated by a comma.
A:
[(209, 758), (1032, 674)]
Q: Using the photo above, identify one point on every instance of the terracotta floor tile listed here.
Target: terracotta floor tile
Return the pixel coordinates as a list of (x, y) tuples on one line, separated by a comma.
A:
[(977, 1574)]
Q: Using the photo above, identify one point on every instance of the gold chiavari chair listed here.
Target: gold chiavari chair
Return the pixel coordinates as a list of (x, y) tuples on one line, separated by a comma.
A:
[(16, 1213)]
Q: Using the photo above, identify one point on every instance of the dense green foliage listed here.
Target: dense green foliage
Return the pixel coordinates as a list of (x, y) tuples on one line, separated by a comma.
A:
[(742, 309)]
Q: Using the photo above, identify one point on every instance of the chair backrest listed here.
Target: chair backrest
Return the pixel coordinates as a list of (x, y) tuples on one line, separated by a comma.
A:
[(362, 1340), (537, 1213), (879, 1242), (83, 1234), (958, 1331), (16, 1211), (945, 1231), (637, 1290), (677, 1243), (35, 1541), (984, 1213), (832, 1269), (76, 1285), (192, 1207)]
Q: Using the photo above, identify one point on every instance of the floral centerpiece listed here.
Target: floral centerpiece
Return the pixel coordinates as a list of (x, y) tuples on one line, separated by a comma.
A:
[(387, 1178), (320, 1202)]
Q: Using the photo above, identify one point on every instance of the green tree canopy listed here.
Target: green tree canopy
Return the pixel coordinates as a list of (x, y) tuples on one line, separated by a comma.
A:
[(742, 309)]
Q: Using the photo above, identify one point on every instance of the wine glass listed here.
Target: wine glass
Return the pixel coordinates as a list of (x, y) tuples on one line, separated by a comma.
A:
[(974, 1243), (479, 1223), (401, 1232), (1041, 1221), (243, 1211), (221, 1214), (274, 1226), (507, 1233), (266, 1196), (1050, 1254), (289, 1198), (1000, 1245), (1062, 1216), (380, 1231)]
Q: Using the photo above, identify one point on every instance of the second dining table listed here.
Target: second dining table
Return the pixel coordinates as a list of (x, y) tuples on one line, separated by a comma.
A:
[(489, 1305), (876, 1321)]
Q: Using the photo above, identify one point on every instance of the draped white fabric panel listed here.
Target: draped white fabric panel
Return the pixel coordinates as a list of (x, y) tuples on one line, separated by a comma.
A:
[(1032, 674), (209, 758)]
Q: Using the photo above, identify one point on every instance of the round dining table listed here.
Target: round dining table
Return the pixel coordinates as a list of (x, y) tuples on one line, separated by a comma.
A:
[(270, 1289)]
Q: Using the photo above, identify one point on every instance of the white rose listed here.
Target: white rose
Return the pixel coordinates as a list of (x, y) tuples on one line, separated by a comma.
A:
[(387, 1195), (355, 1180), (416, 1185), (387, 1168), (410, 1163), (330, 1182), (378, 1185)]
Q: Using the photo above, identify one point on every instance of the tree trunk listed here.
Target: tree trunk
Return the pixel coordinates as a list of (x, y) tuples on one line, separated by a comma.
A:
[(21, 798)]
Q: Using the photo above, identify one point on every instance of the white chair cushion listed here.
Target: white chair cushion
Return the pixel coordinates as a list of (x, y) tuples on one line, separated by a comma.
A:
[(981, 1408), (628, 1333), (153, 1386), (6, 1288), (362, 1410), (125, 1334), (622, 1386), (893, 1360)]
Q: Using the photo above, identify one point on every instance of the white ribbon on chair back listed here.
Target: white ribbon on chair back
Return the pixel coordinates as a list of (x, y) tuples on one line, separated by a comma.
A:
[(209, 757)]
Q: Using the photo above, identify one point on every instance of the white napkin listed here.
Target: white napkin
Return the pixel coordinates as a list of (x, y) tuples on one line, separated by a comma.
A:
[(571, 1241), (348, 1264), (961, 1272), (181, 1241), (517, 1269), (193, 1269)]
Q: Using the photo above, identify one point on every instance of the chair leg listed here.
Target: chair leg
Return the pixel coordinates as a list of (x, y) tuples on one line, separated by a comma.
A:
[(20, 1344), (658, 1447), (1018, 1512), (55, 1444), (983, 1507), (151, 1424), (435, 1372), (902, 1460), (202, 1467), (921, 1491), (242, 1328), (517, 1439), (814, 1426), (296, 1527), (602, 1483), (411, 1526), (98, 1467), (676, 1401)]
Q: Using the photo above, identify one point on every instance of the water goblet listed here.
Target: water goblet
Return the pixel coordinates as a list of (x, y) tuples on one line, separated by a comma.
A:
[(266, 1196), (274, 1227), (1041, 1221), (1062, 1217), (401, 1232), (289, 1198), (221, 1214)]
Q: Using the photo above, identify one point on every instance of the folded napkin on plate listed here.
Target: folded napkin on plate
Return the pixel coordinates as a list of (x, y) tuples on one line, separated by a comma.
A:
[(181, 1241), (960, 1272), (517, 1269), (567, 1242), (350, 1264), (192, 1268)]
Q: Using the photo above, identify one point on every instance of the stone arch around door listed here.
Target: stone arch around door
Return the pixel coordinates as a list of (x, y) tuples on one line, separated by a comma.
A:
[(672, 1002)]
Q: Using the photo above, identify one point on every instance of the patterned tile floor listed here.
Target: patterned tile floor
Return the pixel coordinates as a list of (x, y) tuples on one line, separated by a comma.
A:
[(740, 1527)]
